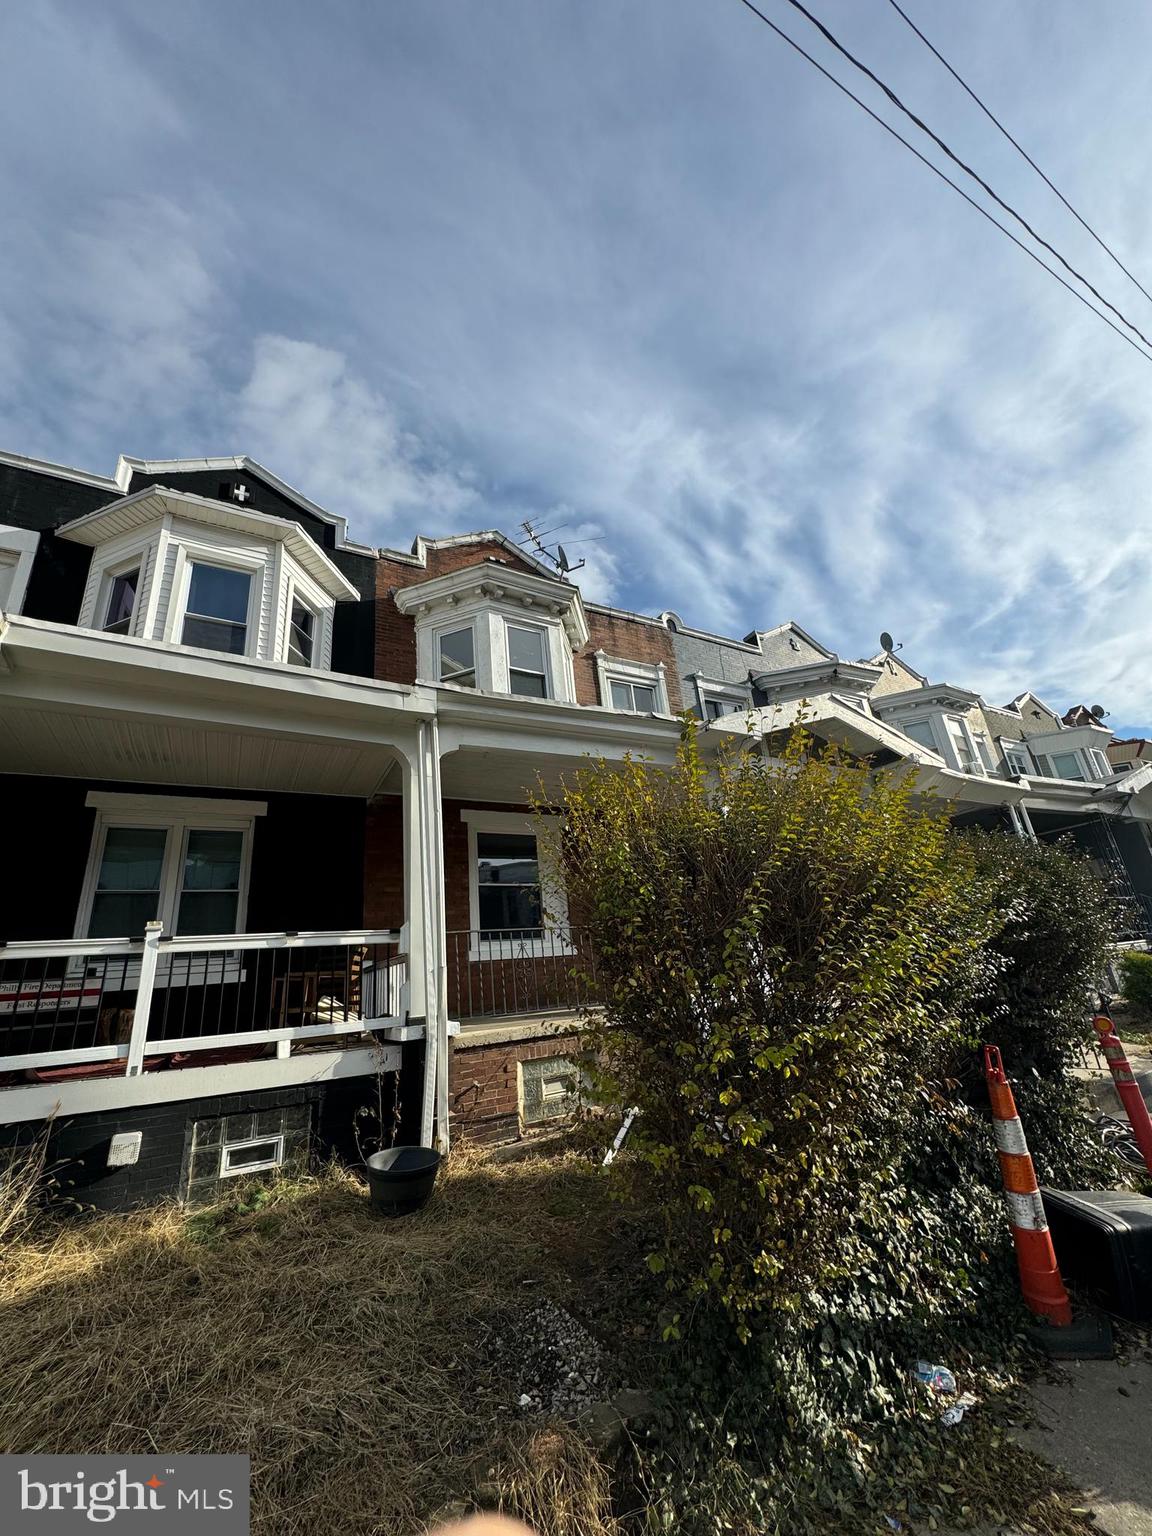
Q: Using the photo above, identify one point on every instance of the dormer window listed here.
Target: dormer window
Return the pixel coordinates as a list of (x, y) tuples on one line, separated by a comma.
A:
[(527, 663), (457, 657), (497, 629), (178, 569), (121, 603), (216, 612), (635, 686)]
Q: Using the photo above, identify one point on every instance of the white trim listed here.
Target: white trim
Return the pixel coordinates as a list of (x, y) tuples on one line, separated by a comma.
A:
[(177, 817), (545, 633), (457, 628), (254, 566), (554, 898), (620, 669), (21, 544), (41, 1100), (228, 1147)]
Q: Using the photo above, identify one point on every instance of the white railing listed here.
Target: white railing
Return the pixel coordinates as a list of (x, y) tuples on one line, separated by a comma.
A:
[(145, 1002)]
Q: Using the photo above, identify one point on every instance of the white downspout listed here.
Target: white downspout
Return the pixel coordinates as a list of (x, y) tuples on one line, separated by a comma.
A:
[(434, 1108)]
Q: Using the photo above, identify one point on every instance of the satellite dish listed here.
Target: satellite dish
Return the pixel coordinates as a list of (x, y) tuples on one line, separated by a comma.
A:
[(562, 558), (1098, 711), (886, 641)]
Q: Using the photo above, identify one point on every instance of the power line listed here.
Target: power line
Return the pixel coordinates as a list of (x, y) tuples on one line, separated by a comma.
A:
[(988, 113), (967, 169), (936, 171)]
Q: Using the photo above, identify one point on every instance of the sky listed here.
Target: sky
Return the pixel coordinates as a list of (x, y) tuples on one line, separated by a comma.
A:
[(632, 268)]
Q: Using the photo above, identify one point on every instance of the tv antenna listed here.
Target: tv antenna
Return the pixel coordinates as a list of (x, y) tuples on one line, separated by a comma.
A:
[(559, 557)]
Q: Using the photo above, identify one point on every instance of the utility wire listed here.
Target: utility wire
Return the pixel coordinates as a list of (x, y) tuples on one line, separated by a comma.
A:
[(988, 113), (967, 169), (936, 171)]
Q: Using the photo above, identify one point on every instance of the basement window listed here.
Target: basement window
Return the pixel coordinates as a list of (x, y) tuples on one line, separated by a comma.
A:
[(238, 1157)]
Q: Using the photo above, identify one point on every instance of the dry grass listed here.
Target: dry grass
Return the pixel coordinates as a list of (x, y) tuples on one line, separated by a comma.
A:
[(346, 1354)]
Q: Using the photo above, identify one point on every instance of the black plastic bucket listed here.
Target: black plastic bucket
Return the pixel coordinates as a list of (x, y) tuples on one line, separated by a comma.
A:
[(400, 1180)]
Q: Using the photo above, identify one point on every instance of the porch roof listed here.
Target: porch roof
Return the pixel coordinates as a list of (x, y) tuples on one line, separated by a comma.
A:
[(83, 704)]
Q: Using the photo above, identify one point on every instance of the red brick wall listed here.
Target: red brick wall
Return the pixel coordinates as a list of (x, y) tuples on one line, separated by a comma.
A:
[(631, 640), (618, 636), (483, 1084), (395, 631)]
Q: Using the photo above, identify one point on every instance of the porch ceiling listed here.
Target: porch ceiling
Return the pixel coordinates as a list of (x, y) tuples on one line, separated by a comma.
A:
[(509, 778), (73, 743)]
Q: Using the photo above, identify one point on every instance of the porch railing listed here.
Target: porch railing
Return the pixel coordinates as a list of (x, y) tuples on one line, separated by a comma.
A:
[(133, 1005), (517, 971)]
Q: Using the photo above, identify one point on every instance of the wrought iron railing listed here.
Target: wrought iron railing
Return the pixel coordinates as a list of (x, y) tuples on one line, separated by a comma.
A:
[(157, 1001), (517, 971)]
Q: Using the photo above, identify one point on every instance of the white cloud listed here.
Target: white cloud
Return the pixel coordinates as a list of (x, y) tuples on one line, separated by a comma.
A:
[(304, 411)]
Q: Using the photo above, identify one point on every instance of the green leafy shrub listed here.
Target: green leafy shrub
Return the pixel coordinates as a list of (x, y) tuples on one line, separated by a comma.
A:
[(1136, 980), (1050, 949)]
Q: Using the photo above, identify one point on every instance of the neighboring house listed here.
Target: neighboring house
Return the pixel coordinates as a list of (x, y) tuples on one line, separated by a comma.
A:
[(1132, 752), (271, 878)]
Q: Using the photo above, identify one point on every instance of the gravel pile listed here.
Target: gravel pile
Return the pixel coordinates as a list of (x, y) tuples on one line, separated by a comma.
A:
[(557, 1366)]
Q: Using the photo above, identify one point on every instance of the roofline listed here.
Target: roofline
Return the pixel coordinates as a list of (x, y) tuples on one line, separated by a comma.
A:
[(127, 466), (58, 471), (421, 544), (259, 520), (778, 629)]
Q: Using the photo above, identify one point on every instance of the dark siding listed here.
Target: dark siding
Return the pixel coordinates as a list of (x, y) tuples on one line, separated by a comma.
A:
[(207, 483), (307, 857), (79, 1146), (60, 569)]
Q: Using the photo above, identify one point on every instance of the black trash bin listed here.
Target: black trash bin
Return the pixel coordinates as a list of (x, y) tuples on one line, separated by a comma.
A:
[(400, 1180)]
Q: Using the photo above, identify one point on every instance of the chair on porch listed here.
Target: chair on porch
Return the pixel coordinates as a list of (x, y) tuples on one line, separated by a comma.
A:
[(327, 992)]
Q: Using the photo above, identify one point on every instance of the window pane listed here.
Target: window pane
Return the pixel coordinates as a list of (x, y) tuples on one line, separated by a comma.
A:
[(458, 658), (133, 859), (530, 685), (921, 731), (121, 915), (525, 649), (507, 858), (714, 708), (207, 912), (300, 632), (643, 698), (121, 602), (217, 593), (509, 907), (212, 861), (212, 636), (621, 696), (508, 874)]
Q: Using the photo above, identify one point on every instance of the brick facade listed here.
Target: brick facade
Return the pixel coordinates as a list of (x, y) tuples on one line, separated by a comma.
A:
[(484, 1084), (617, 634)]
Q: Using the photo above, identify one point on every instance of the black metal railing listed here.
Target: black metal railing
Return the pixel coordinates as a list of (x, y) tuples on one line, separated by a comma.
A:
[(496, 973)]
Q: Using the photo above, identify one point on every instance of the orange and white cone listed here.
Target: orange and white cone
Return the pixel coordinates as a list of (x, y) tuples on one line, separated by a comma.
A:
[(1126, 1086), (1039, 1273)]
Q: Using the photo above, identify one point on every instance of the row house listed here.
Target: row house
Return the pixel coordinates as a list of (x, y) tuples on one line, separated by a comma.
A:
[(271, 882)]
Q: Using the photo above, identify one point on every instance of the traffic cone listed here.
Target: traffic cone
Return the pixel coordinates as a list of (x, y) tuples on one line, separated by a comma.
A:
[(1039, 1274), (1126, 1086)]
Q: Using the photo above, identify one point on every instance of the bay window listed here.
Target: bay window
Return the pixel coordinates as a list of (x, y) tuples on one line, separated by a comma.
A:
[(1066, 765), (921, 731), (301, 634)]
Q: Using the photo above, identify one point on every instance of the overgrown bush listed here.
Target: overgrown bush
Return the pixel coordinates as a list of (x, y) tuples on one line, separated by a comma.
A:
[(1050, 947), (794, 958), (1136, 980)]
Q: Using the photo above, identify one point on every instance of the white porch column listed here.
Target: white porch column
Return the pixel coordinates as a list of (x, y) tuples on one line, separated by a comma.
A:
[(424, 906), (1029, 829)]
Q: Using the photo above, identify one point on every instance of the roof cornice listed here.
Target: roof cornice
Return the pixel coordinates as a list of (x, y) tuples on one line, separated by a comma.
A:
[(157, 501), (504, 584)]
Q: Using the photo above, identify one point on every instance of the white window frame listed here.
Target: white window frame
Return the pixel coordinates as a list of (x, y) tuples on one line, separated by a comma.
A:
[(177, 815), (1098, 759), (137, 561), (1011, 744), (455, 629), (621, 669), (545, 652), (956, 726), (1085, 776), (930, 722), (18, 548), (227, 1147), (254, 566), (554, 898)]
